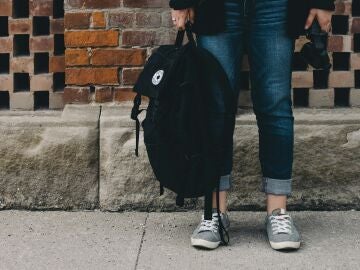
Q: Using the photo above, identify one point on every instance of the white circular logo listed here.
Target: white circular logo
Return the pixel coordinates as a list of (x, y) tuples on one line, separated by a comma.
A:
[(157, 77)]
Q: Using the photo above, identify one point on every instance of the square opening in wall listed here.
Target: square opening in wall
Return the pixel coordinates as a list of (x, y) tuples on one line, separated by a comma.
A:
[(298, 62), (58, 9), (20, 8), (4, 63), (59, 46), (357, 78), (301, 97), (41, 63), (321, 77), (355, 9), (41, 26), (4, 100), (59, 81), (342, 97), (356, 44), (341, 60), (21, 45), (41, 100), (4, 26), (340, 24), (21, 82)]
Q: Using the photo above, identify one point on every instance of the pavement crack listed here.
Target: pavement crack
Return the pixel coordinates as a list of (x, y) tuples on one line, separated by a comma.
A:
[(141, 242)]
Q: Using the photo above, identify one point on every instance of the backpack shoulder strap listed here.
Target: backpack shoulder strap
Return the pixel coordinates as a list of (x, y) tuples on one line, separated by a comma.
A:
[(134, 115)]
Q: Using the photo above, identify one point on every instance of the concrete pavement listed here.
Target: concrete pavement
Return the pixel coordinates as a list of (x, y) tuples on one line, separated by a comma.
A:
[(158, 240)]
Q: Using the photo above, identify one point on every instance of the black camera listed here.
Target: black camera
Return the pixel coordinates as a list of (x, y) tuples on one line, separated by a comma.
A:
[(315, 52)]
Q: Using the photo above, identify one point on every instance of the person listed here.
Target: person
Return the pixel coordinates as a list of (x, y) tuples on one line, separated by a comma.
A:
[(258, 27)]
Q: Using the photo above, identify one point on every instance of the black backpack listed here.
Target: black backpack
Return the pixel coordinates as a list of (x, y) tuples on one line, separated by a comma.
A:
[(184, 148)]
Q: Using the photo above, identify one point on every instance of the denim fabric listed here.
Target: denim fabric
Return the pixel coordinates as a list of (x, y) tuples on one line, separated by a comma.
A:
[(258, 28)]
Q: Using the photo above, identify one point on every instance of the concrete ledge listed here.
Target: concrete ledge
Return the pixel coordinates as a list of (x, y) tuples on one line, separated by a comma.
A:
[(326, 165), (83, 158), (49, 159)]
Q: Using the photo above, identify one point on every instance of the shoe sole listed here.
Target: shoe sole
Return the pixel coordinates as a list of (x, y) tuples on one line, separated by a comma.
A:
[(285, 245), (204, 243)]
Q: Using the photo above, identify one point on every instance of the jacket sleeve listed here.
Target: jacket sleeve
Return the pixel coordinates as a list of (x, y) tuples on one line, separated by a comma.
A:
[(323, 4), (182, 4)]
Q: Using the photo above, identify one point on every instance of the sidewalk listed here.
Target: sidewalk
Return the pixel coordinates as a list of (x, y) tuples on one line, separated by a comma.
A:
[(139, 240)]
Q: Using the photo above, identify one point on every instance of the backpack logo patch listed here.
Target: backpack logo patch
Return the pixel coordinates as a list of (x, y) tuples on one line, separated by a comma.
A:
[(156, 79)]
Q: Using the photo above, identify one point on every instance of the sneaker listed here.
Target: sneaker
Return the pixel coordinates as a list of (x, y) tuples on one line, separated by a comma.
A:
[(281, 230), (206, 234)]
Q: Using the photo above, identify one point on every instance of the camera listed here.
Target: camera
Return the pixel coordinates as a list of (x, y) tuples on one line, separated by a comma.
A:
[(315, 52)]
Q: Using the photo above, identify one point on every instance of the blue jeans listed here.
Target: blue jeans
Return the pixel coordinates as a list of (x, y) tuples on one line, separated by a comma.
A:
[(258, 27)]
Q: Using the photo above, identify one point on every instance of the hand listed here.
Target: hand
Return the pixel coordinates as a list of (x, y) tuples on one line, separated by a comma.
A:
[(180, 17), (323, 17)]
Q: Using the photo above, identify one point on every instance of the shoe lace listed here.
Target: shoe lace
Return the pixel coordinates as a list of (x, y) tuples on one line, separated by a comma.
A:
[(210, 225), (281, 224)]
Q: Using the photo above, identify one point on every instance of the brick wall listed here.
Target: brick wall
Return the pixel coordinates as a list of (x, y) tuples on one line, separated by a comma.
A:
[(107, 43), (31, 54)]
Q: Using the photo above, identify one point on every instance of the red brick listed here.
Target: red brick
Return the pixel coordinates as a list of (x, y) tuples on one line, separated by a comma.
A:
[(92, 4), (130, 75), (146, 3), (121, 19), (342, 8), (6, 44), (335, 43), (123, 94), (77, 57), (6, 83), (341, 79), (41, 82), (42, 44), (355, 25), (5, 7), (77, 20), (41, 7), (76, 95), (22, 64), (20, 26), (148, 19), (57, 64), (97, 38), (98, 20), (118, 57), (84, 76), (103, 94), (355, 61), (166, 20), (138, 38), (57, 26)]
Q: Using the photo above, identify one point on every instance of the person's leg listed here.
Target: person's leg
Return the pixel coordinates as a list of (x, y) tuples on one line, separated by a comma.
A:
[(271, 52), (227, 47), (270, 59)]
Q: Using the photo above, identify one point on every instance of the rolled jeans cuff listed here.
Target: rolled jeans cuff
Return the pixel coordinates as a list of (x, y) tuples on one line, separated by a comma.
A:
[(276, 186), (225, 183)]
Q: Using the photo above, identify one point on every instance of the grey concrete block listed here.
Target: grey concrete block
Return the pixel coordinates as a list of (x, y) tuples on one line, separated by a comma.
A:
[(22, 101), (320, 98), (355, 97), (326, 165), (49, 160), (56, 100)]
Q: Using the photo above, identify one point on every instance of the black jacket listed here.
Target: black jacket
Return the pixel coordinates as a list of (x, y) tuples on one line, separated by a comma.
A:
[(210, 19)]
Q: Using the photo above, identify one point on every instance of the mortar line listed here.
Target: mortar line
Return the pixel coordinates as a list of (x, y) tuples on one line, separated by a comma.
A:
[(141, 243)]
